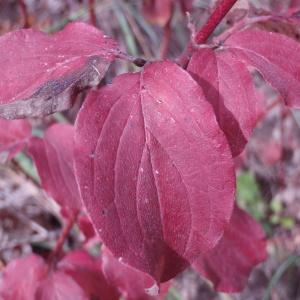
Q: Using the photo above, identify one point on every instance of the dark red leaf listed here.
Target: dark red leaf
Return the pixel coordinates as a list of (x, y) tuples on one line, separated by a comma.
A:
[(154, 169), (228, 86), (41, 72), (53, 156), (14, 135), (133, 284), (242, 246), (275, 56), (21, 278), (86, 271)]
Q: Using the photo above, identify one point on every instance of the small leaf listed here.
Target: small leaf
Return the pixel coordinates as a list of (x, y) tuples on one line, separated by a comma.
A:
[(53, 156), (275, 56), (154, 169), (14, 135), (242, 247), (228, 86), (41, 73)]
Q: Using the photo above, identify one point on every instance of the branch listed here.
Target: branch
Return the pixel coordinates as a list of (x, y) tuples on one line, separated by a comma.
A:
[(62, 238), (204, 33), (92, 14), (214, 20), (164, 47), (24, 13)]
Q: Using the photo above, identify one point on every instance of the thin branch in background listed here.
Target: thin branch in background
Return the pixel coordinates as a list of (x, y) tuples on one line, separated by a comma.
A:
[(24, 13), (137, 32), (92, 14), (166, 39), (63, 236)]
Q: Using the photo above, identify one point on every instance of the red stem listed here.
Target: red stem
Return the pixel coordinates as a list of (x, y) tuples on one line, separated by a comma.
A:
[(93, 18), (164, 48), (204, 33), (62, 238), (24, 13), (214, 20)]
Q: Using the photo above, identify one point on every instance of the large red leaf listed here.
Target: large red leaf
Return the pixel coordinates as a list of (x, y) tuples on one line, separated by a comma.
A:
[(228, 86), (133, 284), (21, 278), (41, 72), (53, 156), (14, 135), (275, 56), (154, 169), (242, 246)]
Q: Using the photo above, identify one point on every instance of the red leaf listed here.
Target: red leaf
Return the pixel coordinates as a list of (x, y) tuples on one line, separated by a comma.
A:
[(53, 156), (132, 283), (77, 276), (158, 11), (21, 278), (275, 56), (242, 246), (228, 86), (59, 286), (14, 136), (41, 73), (154, 169), (87, 272)]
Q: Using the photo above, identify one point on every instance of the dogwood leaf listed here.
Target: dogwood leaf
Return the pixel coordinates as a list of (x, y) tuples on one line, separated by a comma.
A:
[(41, 73), (242, 247), (228, 86), (275, 56), (53, 156), (154, 169), (14, 135)]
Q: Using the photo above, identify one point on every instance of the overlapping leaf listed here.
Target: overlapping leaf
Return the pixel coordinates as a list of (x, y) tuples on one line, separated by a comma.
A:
[(14, 135), (275, 56), (224, 75), (154, 169), (228, 86), (242, 246), (133, 284), (41, 73), (77, 276), (53, 156)]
